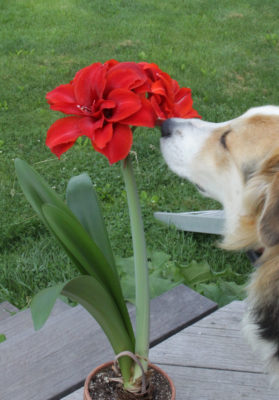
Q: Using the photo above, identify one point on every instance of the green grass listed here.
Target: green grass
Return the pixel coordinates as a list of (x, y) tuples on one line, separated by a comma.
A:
[(227, 52)]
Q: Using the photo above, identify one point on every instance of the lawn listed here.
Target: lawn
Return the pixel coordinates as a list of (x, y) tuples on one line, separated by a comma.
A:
[(227, 52)]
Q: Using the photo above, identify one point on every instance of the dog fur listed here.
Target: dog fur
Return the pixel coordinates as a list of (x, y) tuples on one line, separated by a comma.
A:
[(237, 163)]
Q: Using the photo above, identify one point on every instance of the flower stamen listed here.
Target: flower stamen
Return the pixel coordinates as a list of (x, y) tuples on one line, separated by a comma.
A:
[(84, 108)]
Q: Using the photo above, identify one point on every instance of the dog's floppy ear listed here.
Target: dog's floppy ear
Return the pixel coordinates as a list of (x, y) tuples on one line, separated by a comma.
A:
[(269, 220)]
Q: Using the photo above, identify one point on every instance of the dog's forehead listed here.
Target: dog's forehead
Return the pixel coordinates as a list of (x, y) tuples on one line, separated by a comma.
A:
[(264, 110), (253, 135)]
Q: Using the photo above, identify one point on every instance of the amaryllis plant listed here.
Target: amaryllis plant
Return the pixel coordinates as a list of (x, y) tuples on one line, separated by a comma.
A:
[(104, 102)]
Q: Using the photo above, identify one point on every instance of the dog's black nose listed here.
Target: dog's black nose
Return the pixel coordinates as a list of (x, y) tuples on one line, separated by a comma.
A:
[(167, 128)]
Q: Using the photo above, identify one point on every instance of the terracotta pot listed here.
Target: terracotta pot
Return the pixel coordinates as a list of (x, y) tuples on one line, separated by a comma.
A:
[(86, 395)]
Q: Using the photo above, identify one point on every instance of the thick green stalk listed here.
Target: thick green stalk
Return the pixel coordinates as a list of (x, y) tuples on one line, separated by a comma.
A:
[(141, 267)]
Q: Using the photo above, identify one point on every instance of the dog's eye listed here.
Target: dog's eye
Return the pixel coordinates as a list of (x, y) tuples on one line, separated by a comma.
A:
[(200, 189), (223, 139)]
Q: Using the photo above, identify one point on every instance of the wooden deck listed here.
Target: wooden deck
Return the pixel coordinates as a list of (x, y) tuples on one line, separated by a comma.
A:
[(210, 360), (54, 361)]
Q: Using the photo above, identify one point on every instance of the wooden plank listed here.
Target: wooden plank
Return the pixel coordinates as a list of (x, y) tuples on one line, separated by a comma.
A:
[(6, 310), (208, 384), (77, 395), (206, 345), (214, 384), (175, 310), (56, 359), (210, 361), (211, 221), (21, 323)]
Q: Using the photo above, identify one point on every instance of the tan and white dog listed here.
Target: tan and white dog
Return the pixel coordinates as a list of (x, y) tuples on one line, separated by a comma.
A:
[(237, 163)]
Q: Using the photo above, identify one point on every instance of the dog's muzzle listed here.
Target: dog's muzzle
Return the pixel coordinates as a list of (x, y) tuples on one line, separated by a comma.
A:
[(167, 127)]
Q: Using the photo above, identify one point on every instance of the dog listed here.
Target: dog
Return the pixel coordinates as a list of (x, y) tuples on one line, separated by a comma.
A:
[(237, 163)]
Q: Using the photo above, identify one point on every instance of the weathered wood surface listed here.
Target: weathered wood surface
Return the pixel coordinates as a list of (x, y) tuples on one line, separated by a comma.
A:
[(21, 323), (6, 310), (55, 360), (211, 361), (211, 221)]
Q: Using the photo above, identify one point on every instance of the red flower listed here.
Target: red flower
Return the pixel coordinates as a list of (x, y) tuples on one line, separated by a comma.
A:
[(167, 98), (104, 99)]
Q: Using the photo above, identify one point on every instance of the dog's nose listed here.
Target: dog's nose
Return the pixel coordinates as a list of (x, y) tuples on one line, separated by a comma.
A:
[(167, 127)]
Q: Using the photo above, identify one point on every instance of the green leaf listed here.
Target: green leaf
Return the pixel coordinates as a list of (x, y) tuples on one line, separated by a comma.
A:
[(158, 258), (222, 292), (93, 296), (38, 193), (36, 189), (78, 243), (83, 202), (126, 265), (71, 235), (128, 288), (42, 304), (195, 273), (2, 337), (159, 285)]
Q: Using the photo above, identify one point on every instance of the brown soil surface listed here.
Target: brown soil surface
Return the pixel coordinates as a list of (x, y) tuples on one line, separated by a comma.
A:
[(101, 388)]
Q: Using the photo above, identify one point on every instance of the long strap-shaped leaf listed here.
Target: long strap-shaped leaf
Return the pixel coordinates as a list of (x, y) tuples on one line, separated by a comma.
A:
[(94, 297), (38, 193), (97, 301), (77, 241), (83, 202), (36, 190)]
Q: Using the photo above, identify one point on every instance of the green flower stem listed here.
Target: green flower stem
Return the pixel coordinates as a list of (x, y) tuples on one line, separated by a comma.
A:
[(141, 267)]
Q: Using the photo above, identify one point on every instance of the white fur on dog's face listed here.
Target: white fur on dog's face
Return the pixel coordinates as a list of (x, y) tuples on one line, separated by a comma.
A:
[(182, 147), (217, 157)]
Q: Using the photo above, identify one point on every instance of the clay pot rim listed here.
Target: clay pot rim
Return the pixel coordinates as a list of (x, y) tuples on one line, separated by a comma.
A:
[(86, 395)]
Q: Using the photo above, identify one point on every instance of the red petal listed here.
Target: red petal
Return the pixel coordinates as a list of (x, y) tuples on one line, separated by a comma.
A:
[(183, 106), (88, 125), (103, 135), (165, 82), (61, 148), (192, 114), (158, 87), (111, 63), (67, 108), (63, 134), (126, 104), (157, 107), (151, 70), (125, 75), (119, 146), (89, 84), (63, 99), (182, 93), (106, 104), (144, 117), (61, 94)]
